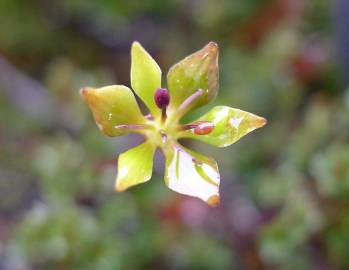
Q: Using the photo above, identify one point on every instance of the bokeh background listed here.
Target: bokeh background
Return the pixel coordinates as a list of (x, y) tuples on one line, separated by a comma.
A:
[(285, 187)]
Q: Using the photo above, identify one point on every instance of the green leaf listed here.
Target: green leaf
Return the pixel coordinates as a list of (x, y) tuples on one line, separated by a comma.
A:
[(197, 71), (135, 166), (192, 174), (229, 126), (145, 76), (111, 107)]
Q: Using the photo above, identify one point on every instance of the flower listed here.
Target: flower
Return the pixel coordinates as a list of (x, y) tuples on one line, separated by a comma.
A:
[(191, 83)]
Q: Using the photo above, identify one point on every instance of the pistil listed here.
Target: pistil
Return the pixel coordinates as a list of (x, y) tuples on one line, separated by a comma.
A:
[(162, 99)]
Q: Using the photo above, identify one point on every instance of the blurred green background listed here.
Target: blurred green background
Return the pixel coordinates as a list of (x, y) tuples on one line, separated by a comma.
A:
[(285, 188)]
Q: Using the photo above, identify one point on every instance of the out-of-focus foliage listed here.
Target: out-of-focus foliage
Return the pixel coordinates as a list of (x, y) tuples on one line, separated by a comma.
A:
[(285, 189)]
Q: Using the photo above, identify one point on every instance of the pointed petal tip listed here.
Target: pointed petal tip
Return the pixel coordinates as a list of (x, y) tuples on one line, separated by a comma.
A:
[(137, 47), (136, 43), (83, 91), (213, 46), (86, 91), (119, 188), (213, 201), (212, 49), (261, 122)]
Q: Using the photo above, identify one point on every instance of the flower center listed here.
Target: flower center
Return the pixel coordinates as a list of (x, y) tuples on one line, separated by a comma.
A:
[(167, 128)]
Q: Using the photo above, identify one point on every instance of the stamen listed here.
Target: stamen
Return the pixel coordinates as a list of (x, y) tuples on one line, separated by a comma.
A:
[(180, 149), (149, 116), (197, 162), (199, 128), (132, 126), (187, 127), (204, 128), (185, 106)]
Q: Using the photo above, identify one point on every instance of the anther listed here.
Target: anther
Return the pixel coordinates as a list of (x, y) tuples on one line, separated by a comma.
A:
[(200, 127), (204, 128), (149, 116)]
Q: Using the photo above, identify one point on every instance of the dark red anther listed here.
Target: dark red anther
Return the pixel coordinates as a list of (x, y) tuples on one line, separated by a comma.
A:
[(204, 128), (162, 98)]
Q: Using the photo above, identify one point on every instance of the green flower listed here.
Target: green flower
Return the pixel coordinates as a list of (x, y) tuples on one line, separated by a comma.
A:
[(191, 83)]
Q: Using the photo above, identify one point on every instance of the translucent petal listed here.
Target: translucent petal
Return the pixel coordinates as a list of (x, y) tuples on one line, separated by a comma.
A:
[(145, 76), (111, 107), (192, 174), (197, 71), (229, 126), (135, 166)]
